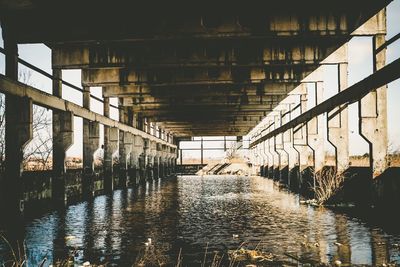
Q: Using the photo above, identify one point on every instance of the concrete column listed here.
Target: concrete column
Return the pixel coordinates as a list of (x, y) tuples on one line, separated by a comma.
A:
[(258, 159), (165, 161), (123, 154), (373, 116), (279, 147), (288, 146), (145, 159), (159, 163), (151, 153), (338, 127), (266, 157), (275, 154), (316, 136), (137, 158), (91, 137), (174, 159), (128, 146), (110, 147), (18, 133), (63, 138), (300, 145)]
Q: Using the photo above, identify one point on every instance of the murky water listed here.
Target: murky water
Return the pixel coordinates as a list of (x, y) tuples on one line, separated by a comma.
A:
[(190, 212)]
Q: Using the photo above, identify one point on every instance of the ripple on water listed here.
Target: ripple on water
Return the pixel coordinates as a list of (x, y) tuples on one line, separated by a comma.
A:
[(190, 212)]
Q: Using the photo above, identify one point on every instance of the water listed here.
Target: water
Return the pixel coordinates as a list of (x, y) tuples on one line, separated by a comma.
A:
[(190, 212)]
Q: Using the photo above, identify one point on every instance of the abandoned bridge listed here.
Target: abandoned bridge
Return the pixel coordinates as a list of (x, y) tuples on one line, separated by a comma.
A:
[(181, 70)]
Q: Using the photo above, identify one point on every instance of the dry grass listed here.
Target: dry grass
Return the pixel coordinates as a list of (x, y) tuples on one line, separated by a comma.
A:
[(328, 183)]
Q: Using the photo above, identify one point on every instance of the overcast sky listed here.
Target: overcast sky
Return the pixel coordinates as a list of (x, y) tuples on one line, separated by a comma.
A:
[(360, 66)]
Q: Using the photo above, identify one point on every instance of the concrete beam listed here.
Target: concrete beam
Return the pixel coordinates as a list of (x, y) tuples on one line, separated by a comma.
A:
[(265, 88), (165, 78), (357, 91), (43, 99), (215, 55)]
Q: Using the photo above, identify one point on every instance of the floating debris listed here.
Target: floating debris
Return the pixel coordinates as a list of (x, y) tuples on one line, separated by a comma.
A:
[(242, 254), (338, 263)]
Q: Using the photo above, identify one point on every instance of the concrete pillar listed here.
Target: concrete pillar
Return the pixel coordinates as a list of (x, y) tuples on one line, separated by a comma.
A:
[(136, 159), (128, 146), (300, 145), (288, 146), (63, 138), (18, 132), (338, 127), (122, 152), (174, 158), (273, 151), (110, 147), (373, 116), (279, 148), (151, 160), (145, 161), (91, 137), (159, 163), (266, 157), (316, 136), (165, 160)]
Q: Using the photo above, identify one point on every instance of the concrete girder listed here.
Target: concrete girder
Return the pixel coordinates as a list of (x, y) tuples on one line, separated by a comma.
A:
[(196, 101), (265, 88), (217, 54), (163, 78)]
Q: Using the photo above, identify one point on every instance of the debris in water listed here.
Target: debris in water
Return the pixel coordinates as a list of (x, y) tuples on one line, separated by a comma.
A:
[(338, 263)]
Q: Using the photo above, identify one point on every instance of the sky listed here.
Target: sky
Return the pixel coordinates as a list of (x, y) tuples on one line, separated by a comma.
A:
[(360, 66)]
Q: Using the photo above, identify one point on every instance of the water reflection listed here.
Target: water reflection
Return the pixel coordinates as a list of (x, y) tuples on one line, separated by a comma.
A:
[(190, 212)]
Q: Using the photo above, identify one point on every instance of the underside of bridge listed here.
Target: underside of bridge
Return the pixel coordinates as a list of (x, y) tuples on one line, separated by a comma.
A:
[(191, 68)]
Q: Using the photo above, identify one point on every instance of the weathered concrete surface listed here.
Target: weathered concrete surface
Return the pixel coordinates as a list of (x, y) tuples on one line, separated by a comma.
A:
[(18, 132), (43, 99), (338, 128), (63, 138), (91, 137)]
